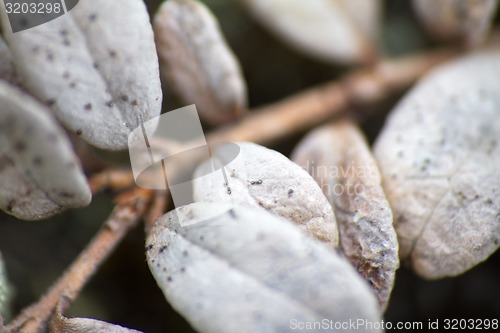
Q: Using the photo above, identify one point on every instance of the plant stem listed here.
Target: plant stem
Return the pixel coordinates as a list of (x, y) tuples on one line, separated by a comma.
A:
[(130, 207), (319, 104)]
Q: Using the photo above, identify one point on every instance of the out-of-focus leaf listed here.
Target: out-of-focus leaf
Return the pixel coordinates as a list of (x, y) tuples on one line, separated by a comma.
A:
[(336, 31), (340, 161), (465, 20), (7, 69), (197, 61), (95, 66), (5, 293), (262, 177), (61, 324), (39, 173), (439, 155), (247, 270)]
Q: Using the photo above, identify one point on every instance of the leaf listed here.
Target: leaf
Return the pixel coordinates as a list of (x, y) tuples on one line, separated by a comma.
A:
[(341, 31), (439, 154), (340, 161), (465, 20), (262, 177), (247, 270), (39, 174), (61, 324), (197, 61), (95, 66), (7, 69), (5, 293)]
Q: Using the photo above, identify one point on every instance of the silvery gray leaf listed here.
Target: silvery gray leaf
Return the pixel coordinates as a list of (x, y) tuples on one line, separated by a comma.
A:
[(39, 173), (464, 20), (95, 66), (247, 270), (340, 31), (439, 155), (61, 324), (197, 61), (261, 177), (339, 159)]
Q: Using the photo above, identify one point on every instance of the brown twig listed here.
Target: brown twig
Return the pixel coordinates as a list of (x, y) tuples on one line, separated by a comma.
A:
[(116, 179), (315, 106), (130, 207), (158, 207)]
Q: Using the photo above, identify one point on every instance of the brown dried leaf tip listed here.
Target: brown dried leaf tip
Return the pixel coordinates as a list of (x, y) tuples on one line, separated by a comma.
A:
[(61, 324), (439, 155), (339, 159)]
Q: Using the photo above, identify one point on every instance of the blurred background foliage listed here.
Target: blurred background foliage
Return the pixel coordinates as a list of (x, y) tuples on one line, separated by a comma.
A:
[(123, 291)]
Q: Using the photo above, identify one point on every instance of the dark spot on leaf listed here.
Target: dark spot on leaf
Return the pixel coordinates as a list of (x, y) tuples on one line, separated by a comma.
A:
[(10, 205), (5, 162), (35, 49), (135, 102), (79, 132), (109, 104), (290, 192), (92, 17), (64, 32), (256, 182), (163, 248), (66, 42), (202, 238), (96, 65), (169, 279), (149, 247), (232, 213), (72, 85), (50, 57), (66, 195), (228, 190), (124, 98), (183, 269), (88, 107), (23, 21), (185, 253), (20, 146), (112, 54), (489, 201), (65, 75), (37, 161), (50, 102)]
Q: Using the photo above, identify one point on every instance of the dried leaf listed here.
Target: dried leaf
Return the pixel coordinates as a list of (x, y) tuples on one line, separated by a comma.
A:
[(39, 173), (5, 293), (61, 324), (197, 61), (439, 154), (465, 20), (95, 66), (262, 177), (247, 270), (340, 161), (341, 31)]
